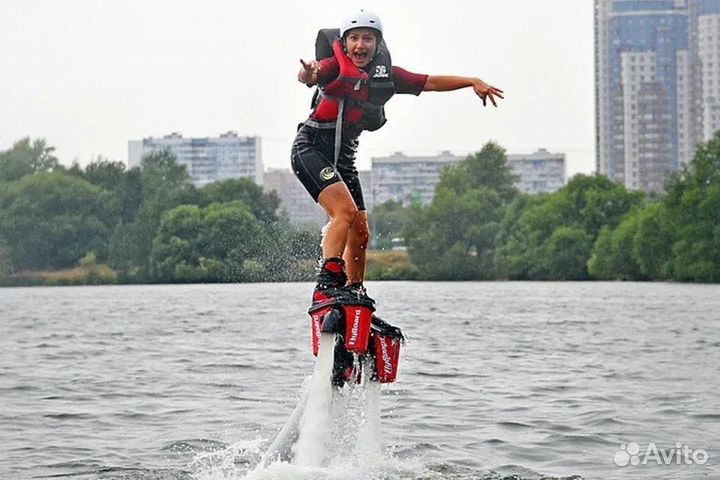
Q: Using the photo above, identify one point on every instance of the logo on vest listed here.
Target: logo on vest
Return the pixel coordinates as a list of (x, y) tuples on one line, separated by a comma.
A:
[(327, 173), (381, 72)]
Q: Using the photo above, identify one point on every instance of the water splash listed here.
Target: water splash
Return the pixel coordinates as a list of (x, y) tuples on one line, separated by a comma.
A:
[(388, 468), (337, 431), (228, 463), (323, 232), (310, 449), (284, 441), (369, 443)]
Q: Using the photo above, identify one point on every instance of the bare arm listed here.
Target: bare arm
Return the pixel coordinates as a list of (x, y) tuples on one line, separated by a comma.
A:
[(446, 83)]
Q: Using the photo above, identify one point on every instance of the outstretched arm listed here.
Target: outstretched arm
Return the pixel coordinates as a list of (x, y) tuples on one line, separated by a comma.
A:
[(445, 83)]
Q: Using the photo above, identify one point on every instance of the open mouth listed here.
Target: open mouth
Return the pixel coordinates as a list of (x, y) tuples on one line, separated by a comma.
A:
[(359, 57)]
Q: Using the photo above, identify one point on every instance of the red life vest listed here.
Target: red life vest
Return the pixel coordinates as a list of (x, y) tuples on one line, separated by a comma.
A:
[(356, 96), (350, 85)]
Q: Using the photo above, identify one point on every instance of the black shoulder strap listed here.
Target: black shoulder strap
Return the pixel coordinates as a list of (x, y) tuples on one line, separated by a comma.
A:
[(324, 49), (324, 42)]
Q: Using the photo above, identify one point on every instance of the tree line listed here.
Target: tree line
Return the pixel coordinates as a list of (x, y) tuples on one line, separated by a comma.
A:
[(149, 223), (479, 227)]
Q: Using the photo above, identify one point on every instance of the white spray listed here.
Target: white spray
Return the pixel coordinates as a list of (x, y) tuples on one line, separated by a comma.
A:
[(311, 446), (369, 436)]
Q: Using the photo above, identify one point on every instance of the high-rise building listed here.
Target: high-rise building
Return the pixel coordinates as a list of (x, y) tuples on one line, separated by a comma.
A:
[(642, 75), (295, 201), (408, 179), (657, 84), (539, 172), (705, 42), (207, 159)]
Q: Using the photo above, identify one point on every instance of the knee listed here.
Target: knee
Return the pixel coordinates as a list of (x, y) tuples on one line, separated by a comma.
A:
[(345, 216)]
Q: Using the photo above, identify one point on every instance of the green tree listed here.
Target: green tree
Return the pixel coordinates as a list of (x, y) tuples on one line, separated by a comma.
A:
[(104, 173), (25, 158), (388, 221), (693, 207), (454, 237), (218, 243), (652, 246), (487, 168), (603, 263), (449, 238), (697, 253), (263, 205), (677, 237), (175, 248), (613, 256), (162, 184), (528, 238), (50, 220), (5, 267), (233, 235), (512, 255), (565, 255), (121, 194), (521, 255), (596, 201)]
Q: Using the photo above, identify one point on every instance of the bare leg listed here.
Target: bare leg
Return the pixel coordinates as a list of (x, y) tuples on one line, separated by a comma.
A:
[(356, 248), (339, 204)]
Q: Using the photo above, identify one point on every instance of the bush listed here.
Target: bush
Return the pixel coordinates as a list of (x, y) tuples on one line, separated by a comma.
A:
[(394, 265)]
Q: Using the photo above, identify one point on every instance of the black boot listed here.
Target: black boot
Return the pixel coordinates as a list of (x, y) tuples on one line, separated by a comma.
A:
[(330, 283), (384, 328), (358, 292)]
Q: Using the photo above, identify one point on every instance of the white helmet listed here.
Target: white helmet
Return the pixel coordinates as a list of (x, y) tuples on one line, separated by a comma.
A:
[(361, 19)]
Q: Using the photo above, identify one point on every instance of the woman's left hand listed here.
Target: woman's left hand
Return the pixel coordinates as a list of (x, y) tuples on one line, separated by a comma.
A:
[(485, 91)]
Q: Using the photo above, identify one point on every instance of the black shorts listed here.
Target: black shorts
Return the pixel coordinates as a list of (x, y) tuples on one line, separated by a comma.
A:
[(312, 161)]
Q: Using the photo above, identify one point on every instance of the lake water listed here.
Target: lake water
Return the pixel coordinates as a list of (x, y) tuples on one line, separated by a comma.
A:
[(497, 380)]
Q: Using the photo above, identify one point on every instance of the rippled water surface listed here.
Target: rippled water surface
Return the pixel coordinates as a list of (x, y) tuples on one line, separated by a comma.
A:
[(498, 380)]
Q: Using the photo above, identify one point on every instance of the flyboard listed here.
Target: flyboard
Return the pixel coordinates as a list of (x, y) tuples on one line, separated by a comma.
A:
[(351, 345)]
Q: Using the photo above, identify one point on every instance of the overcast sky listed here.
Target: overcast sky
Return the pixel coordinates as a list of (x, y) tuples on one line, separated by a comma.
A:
[(89, 75)]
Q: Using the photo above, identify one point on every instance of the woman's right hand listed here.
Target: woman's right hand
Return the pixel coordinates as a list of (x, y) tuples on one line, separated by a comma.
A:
[(309, 72)]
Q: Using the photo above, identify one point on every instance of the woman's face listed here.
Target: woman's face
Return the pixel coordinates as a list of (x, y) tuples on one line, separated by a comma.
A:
[(361, 44)]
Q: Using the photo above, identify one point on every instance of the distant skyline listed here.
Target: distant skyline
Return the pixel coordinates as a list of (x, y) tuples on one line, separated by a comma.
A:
[(90, 75)]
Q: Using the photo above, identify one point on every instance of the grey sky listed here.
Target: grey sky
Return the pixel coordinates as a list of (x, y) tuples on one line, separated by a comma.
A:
[(89, 75)]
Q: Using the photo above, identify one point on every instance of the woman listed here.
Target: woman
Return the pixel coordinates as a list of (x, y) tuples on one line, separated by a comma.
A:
[(354, 83)]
